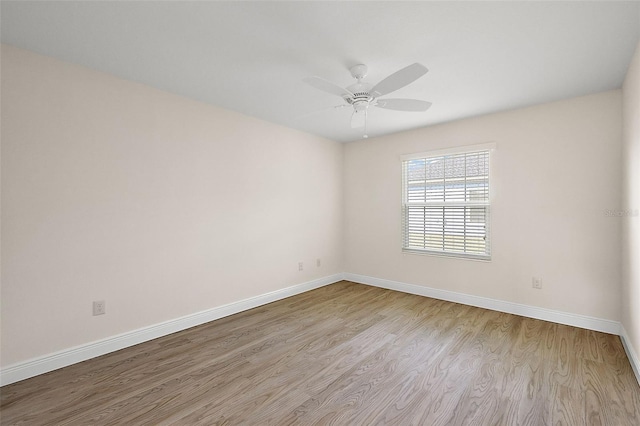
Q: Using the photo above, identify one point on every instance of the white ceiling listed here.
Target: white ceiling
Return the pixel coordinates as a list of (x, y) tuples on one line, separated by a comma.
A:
[(251, 57)]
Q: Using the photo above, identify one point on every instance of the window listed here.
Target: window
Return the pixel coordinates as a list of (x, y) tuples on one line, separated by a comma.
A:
[(445, 205)]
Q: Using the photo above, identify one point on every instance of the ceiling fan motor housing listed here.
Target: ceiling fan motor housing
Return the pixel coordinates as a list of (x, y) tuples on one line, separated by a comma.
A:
[(360, 92)]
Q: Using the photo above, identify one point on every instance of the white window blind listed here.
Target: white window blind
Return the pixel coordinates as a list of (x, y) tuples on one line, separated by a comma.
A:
[(445, 204)]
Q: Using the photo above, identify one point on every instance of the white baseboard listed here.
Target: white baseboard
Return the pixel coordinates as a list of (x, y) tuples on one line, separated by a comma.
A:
[(631, 353), (582, 321), (44, 364)]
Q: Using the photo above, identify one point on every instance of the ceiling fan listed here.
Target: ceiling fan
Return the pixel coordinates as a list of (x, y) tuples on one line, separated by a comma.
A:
[(361, 95)]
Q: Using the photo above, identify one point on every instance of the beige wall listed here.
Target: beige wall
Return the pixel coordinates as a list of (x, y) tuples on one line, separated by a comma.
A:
[(163, 206), (160, 205), (631, 203), (556, 170)]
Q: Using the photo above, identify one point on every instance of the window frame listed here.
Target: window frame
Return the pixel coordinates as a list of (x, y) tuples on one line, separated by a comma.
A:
[(468, 149)]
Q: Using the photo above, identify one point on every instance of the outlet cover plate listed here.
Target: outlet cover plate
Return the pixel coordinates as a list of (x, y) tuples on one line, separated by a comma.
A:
[(99, 307)]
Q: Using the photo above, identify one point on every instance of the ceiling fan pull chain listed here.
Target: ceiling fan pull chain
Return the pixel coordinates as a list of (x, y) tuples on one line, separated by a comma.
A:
[(365, 136)]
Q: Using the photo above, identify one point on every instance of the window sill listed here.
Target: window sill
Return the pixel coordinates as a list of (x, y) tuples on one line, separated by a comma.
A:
[(461, 256)]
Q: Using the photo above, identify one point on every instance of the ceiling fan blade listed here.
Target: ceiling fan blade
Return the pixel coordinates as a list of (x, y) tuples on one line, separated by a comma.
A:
[(399, 79), (327, 86), (403, 104), (358, 119)]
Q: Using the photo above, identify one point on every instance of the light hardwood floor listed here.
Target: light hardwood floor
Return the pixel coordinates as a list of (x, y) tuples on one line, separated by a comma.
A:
[(346, 354)]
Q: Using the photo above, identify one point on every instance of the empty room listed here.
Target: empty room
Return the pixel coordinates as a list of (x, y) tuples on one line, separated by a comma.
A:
[(346, 213)]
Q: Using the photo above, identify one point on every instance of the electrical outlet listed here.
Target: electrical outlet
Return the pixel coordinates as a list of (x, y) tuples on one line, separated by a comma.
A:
[(300, 266), (99, 307), (536, 283), (318, 262)]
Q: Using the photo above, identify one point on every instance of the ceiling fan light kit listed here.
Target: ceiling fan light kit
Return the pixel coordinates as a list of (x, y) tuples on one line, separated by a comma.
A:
[(361, 95)]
